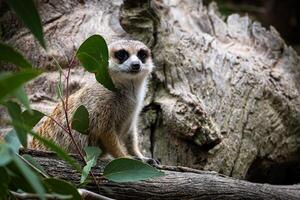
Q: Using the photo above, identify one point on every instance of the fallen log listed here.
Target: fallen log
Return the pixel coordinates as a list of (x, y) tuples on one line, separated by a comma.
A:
[(178, 183)]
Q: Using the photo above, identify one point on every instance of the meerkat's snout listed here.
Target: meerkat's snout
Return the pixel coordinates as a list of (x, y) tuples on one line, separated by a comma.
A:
[(135, 66)]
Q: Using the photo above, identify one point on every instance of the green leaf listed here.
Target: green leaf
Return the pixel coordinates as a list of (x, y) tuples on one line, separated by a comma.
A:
[(59, 90), (9, 82), (4, 181), (59, 87), (93, 55), (128, 170), (62, 187), (10, 55), (92, 154), (6, 154), (28, 14), (28, 118), (31, 177), (80, 120), (18, 182), (12, 140), (86, 171), (60, 152), (21, 95), (14, 111), (88, 62), (4, 178), (4, 191), (32, 117), (31, 160)]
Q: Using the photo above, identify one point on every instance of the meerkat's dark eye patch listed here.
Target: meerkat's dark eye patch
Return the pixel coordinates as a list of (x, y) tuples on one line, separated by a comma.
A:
[(122, 55), (143, 55)]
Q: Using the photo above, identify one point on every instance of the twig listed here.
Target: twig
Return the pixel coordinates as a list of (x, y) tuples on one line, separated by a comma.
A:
[(65, 106), (66, 109), (56, 122), (86, 194), (24, 195), (69, 131)]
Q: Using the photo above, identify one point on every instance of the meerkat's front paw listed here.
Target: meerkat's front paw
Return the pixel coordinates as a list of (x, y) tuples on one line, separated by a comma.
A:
[(150, 161)]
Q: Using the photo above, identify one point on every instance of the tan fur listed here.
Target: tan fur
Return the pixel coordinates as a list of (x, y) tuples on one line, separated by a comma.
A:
[(113, 115)]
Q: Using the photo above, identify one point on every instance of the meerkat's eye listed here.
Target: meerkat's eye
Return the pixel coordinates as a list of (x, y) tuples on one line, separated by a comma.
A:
[(121, 55), (142, 55)]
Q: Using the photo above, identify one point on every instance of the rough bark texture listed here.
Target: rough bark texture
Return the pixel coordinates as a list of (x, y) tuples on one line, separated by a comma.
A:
[(179, 183), (224, 95)]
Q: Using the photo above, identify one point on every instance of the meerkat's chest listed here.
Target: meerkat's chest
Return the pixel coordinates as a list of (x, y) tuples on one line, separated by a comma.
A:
[(127, 117), (111, 111)]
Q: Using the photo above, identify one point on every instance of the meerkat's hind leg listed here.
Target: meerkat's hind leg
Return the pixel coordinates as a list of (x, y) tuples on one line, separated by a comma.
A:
[(105, 156), (112, 145)]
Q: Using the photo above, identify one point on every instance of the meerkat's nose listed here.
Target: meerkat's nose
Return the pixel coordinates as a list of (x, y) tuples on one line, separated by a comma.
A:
[(135, 66)]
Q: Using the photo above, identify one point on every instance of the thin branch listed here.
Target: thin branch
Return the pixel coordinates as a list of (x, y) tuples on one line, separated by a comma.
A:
[(56, 122), (86, 194), (69, 131), (66, 109), (24, 195), (65, 106)]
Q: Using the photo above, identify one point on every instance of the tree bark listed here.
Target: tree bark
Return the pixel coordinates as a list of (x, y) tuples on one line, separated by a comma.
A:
[(179, 183), (224, 95)]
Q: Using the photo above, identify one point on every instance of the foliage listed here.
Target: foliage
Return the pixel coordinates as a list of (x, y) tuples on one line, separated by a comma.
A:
[(58, 150), (93, 55), (80, 121), (128, 170), (92, 154), (30, 177), (20, 94), (21, 173), (9, 82), (31, 117), (8, 54), (28, 14), (14, 111), (62, 187)]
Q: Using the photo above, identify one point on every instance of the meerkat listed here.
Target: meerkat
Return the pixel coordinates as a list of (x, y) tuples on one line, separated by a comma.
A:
[(113, 114)]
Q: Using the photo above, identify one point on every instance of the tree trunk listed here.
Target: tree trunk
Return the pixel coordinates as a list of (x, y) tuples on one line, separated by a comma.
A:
[(224, 95), (179, 183)]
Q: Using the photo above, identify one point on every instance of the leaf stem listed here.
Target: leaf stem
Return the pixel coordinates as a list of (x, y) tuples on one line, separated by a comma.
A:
[(32, 166)]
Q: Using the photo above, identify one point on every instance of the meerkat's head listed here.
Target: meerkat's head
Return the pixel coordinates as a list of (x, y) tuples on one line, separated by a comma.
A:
[(129, 59)]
